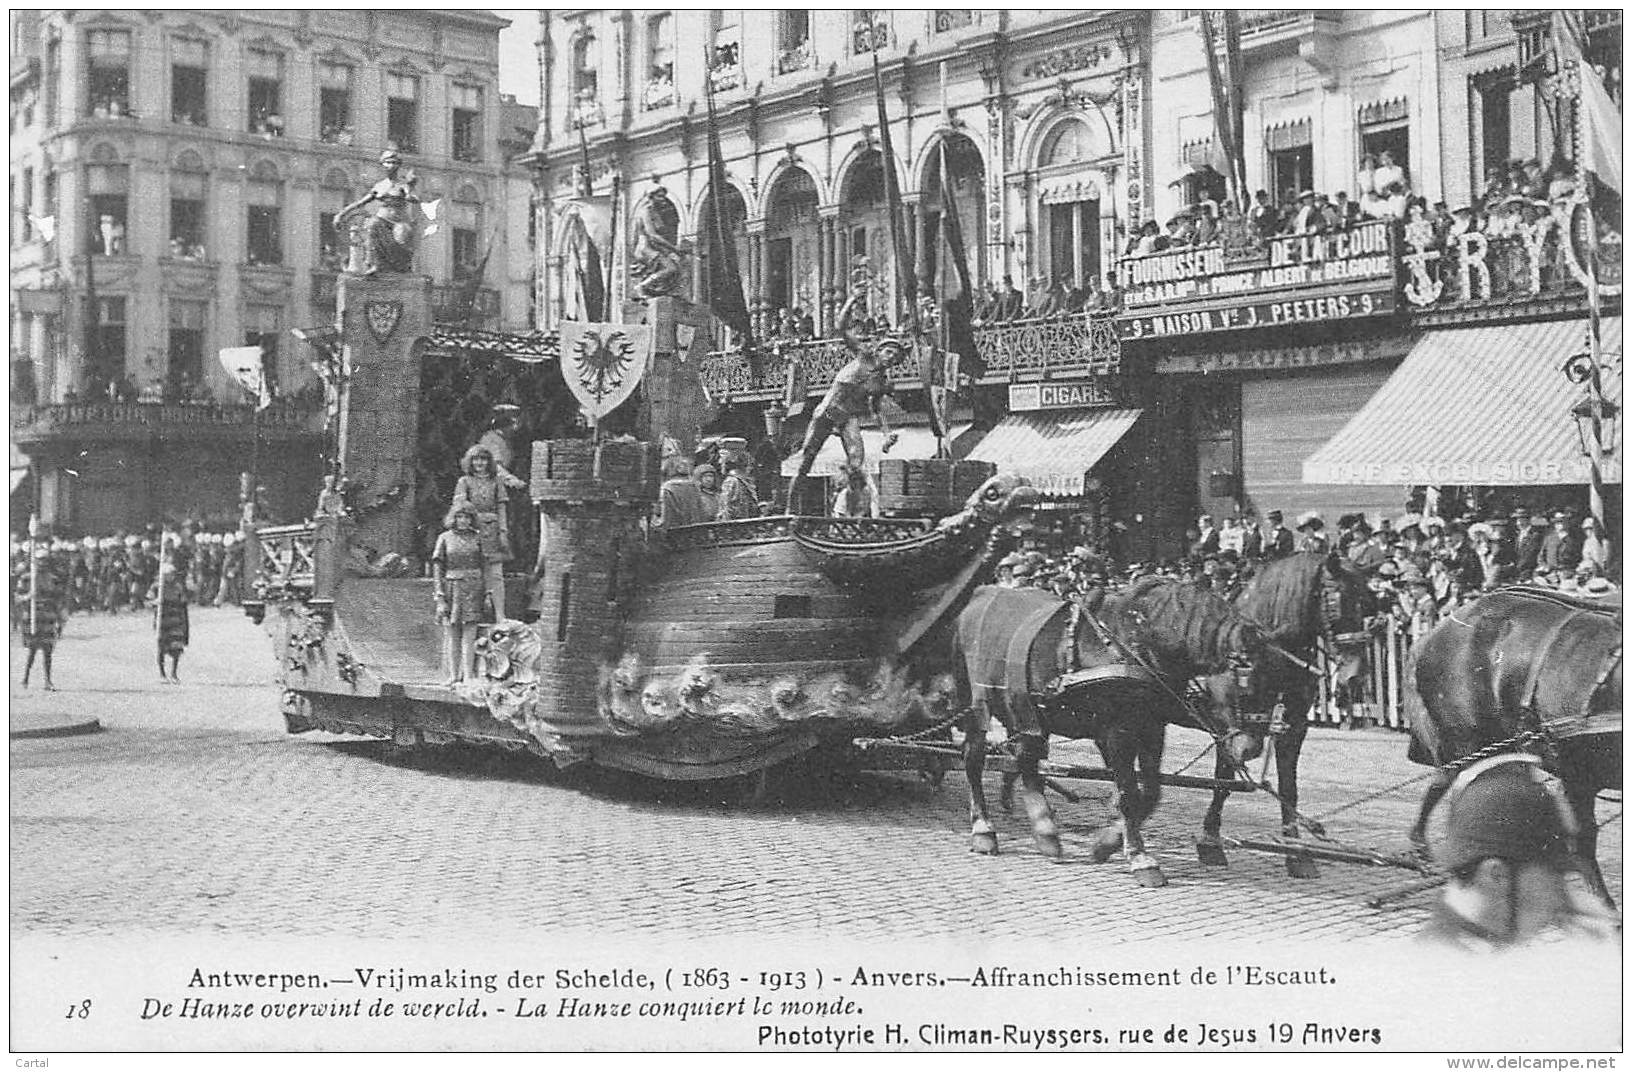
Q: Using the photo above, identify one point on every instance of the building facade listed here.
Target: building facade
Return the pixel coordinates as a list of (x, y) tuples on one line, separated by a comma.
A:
[(174, 179), (1221, 381)]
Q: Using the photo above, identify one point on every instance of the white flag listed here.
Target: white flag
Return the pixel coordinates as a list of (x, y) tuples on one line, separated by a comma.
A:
[(47, 226), (431, 208), (246, 365)]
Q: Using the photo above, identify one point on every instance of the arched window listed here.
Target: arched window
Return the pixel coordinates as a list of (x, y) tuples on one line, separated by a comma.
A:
[(659, 89), (263, 195), (188, 201), (1070, 212), (585, 79)]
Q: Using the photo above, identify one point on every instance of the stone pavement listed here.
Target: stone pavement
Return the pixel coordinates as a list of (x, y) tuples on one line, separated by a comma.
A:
[(193, 811)]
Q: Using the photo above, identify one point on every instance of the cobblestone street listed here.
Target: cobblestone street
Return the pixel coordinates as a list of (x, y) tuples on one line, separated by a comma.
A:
[(194, 812)]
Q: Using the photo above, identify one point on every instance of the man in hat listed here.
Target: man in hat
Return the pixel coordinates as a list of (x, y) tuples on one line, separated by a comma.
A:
[(1467, 574), (1279, 541), (1307, 219), (1311, 532), (858, 390), (679, 500), (1532, 525), (1252, 537), (739, 499), (1513, 876), (1205, 541), (1560, 548)]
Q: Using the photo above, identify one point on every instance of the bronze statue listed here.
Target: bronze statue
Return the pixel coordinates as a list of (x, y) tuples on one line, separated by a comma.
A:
[(656, 263), (385, 241)]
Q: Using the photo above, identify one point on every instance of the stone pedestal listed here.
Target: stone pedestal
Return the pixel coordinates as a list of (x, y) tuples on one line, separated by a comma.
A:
[(382, 320), (676, 404)]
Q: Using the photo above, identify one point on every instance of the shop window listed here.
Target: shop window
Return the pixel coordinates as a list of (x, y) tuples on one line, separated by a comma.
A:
[(1493, 98), (402, 111), (184, 373), (265, 94), (467, 123), (334, 103), (262, 327), (189, 80), (108, 75)]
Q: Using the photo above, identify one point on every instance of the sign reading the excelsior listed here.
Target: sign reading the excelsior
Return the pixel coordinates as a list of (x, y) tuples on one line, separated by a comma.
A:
[(1081, 394), (1305, 309), (1496, 471), (1364, 252)]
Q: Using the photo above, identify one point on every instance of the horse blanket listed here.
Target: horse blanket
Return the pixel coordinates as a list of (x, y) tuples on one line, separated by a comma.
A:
[(1019, 657), (1542, 659)]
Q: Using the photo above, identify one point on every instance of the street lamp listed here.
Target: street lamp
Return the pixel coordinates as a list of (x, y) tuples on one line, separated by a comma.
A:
[(1596, 423)]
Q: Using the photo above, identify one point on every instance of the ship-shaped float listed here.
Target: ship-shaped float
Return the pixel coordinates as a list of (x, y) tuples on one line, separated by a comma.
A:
[(698, 652)]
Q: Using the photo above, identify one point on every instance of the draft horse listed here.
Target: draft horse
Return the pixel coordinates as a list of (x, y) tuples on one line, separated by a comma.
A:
[(1295, 601), (1113, 669), (1522, 669)]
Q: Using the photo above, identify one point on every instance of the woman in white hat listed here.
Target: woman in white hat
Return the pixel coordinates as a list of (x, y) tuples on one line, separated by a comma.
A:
[(1311, 532)]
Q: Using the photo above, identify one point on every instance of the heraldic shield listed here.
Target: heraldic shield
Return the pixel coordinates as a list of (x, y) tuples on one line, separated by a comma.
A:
[(382, 317), (603, 363)]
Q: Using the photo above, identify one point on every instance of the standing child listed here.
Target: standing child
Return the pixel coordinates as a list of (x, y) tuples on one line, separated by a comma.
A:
[(169, 598), (458, 564)]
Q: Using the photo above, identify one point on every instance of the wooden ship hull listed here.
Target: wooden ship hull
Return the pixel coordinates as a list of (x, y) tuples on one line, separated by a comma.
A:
[(695, 653)]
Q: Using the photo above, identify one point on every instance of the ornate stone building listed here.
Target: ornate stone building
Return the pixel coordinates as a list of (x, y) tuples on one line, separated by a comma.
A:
[(173, 175)]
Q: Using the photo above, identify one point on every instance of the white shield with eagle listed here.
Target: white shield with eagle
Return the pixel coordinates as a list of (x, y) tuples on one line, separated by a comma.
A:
[(603, 363)]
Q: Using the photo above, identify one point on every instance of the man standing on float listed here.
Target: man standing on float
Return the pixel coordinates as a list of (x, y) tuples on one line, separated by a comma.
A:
[(858, 389)]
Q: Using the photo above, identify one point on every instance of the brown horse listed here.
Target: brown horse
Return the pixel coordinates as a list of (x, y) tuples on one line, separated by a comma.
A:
[(1113, 670), (1295, 601), (1523, 669)]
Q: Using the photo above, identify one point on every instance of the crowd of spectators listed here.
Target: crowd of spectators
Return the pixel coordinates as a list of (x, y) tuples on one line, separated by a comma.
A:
[(117, 572), (1418, 567)]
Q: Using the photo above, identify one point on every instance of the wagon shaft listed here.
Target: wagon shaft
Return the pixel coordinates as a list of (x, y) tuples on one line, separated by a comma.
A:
[(897, 755)]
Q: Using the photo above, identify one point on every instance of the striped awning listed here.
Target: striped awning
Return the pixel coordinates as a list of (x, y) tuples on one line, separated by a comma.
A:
[(1480, 406), (914, 444), (1054, 450)]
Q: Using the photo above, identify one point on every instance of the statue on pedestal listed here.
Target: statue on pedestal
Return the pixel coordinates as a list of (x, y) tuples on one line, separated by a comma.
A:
[(385, 241)]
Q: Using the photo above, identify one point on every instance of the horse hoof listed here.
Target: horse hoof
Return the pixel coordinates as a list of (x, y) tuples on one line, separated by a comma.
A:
[(1317, 829), (1211, 853), (1302, 867), (1104, 848), (985, 844), (1049, 845), (1150, 877)]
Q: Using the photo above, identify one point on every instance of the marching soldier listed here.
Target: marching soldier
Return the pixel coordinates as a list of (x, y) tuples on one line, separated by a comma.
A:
[(41, 601)]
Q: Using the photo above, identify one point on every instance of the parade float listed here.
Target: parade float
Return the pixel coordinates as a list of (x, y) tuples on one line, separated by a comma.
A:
[(683, 652)]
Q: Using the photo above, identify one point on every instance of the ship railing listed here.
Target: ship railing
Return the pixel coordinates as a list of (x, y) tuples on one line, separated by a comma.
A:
[(860, 531)]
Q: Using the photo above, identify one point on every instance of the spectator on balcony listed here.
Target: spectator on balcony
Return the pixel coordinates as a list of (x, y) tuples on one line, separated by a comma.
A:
[(1535, 184), (1206, 223), (1348, 212), (1178, 232), (1076, 297), (1012, 303), (1388, 174), (1036, 296), (1307, 218), (1151, 239), (1495, 187), (1365, 176), (806, 324), (1263, 215)]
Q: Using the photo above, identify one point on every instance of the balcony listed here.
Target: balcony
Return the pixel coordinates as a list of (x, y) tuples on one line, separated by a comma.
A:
[(1074, 344), (142, 420)]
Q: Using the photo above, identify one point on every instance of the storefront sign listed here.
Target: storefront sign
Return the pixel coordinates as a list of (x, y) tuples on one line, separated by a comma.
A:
[(1287, 262), (1493, 472), (1297, 309), (1337, 352), (1081, 394)]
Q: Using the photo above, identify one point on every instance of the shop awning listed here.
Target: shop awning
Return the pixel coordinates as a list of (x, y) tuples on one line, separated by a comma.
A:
[(1054, 450), (915, 444), (1485, 405)]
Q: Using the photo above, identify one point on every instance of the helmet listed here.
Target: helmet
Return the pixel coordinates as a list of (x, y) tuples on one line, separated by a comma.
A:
[(1504, 807)]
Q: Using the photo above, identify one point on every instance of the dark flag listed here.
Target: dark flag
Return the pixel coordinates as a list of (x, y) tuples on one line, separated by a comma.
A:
[(473, 286), (905, 287), (595, 213), (725, 295), (1221, 47), (957, 289)]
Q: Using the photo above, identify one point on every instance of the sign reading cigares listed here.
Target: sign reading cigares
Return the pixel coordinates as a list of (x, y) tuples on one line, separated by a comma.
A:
[(1248, 282)]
